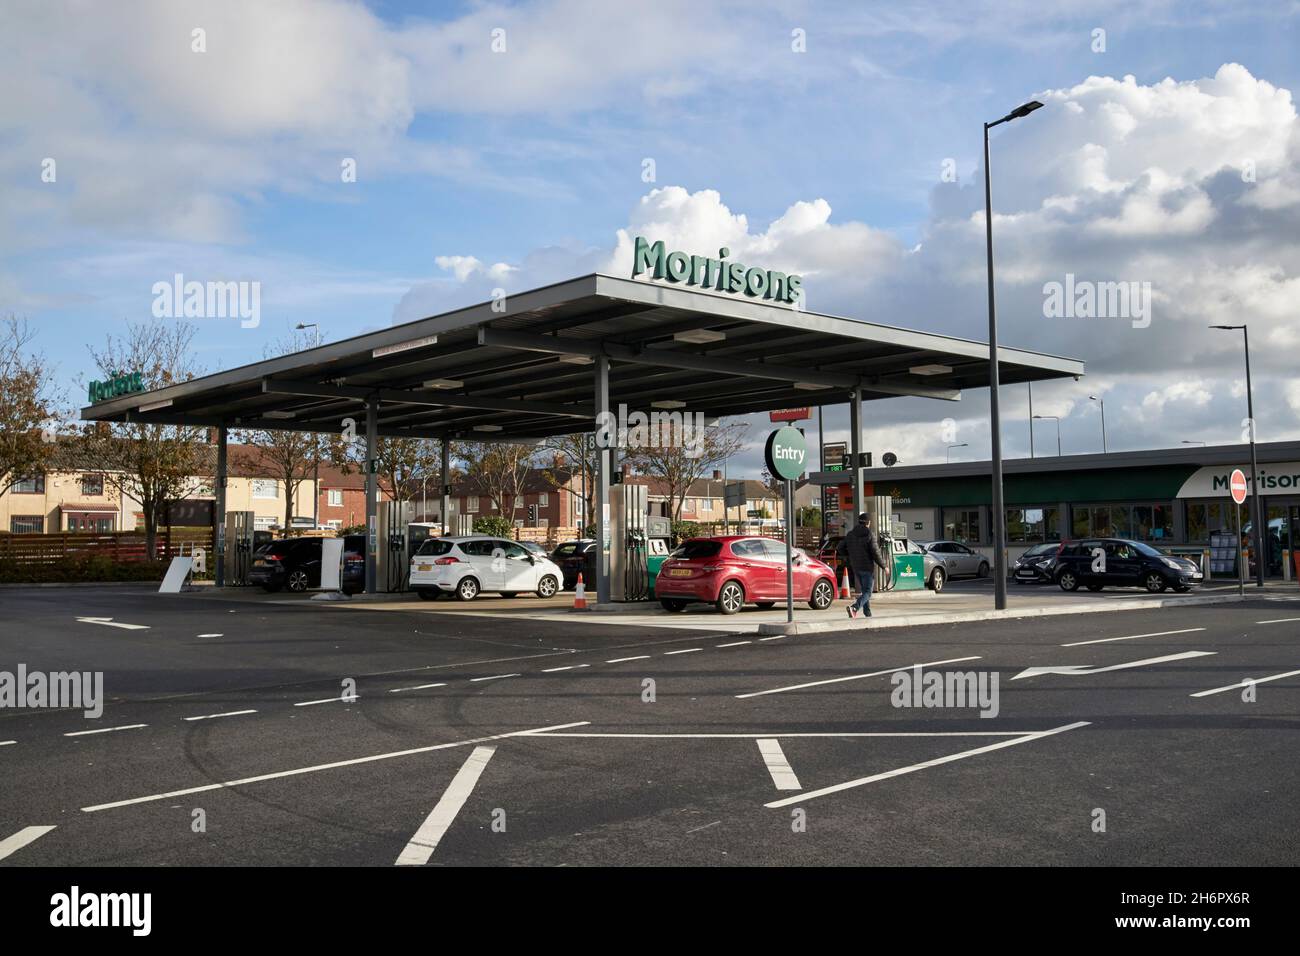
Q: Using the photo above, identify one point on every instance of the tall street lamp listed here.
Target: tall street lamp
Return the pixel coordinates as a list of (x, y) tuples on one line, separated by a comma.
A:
[(1031, 418), (999, 516), (315, 500), (951, 447), (1102, 403), (1054, 418), (1256, 519)]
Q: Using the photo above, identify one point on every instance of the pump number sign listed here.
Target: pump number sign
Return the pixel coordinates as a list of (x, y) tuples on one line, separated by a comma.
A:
[(786, 453)]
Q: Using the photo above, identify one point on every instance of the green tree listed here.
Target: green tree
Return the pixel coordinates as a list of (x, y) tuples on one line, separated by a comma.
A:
[(27, 406), (494, 525)]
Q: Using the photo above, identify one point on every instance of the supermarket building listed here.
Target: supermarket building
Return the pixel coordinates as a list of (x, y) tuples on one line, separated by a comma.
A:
[(1172, 498)]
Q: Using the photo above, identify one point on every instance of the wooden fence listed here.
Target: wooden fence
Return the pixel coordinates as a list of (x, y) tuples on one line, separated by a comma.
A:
[(117, 546)]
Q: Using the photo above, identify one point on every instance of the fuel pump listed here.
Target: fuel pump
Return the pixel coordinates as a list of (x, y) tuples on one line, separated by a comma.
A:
[(881, 508), (629, 578), (394, 557), (658, 531), (239, 547)]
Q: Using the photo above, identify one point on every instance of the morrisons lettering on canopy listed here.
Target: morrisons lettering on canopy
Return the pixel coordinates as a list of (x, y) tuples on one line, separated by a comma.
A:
[(717, 274), (119, 384)]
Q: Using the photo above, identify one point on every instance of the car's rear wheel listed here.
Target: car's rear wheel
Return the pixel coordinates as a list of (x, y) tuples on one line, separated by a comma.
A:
[(983, 571), (1095, 587), (823, 595), (1068, 581), (672, 604), (467, 589), (428, 594), (298, 580), (1155, 582), (731, 598), (547, 587), (937, 579)]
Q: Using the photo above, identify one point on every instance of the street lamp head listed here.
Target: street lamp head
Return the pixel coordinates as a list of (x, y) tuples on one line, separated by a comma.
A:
[(1025, 110), (1230, 328)]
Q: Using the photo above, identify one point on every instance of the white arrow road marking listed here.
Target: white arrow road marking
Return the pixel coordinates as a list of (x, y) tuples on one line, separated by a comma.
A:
[(11, 845), (435, 826), (782, 774), (109, 622), (1134, 637), (1084, 669), (863, 781), (326, 766), (1246, 683)]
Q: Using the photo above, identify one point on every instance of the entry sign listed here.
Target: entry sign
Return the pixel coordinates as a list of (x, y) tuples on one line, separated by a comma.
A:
[(1237, 483), (786, 453)]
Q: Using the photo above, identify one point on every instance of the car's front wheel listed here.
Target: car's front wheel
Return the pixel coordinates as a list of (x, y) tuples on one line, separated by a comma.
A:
[(298, 580), (467, 589), (547, 587), (1155, 582), (983, 571), (823, 595), (937, 579), (731, 598), (1068, 581)]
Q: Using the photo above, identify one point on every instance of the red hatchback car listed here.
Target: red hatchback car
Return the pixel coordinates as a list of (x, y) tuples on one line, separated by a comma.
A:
[(730, 572)]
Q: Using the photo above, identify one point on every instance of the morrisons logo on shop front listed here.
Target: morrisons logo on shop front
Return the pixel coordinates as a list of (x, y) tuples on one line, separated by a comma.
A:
[(717, 274), (1220, 482), (119, 384)]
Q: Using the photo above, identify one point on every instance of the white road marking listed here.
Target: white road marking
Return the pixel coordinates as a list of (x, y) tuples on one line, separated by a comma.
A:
[(776, 734), (938, 761), (432, 830), (225, 784), (398, 690), (837, 680), (734, 644), (1134, 637), (689, 650), (109, 622), (212, 635), (475, 680), (1079, 669), (777, 637), (1245, 683), (12, 844), (6, 743), (104, 730), (705, 827), (1280, 620), (552, 670), (229, 713), (328, 700), (620, 660), (782, 774)]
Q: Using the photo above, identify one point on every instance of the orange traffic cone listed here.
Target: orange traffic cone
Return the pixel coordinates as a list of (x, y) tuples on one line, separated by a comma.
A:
[(580, 595), (844, 584)]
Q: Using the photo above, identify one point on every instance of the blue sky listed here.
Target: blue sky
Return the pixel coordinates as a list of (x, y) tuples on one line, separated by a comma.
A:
[(224, 165)]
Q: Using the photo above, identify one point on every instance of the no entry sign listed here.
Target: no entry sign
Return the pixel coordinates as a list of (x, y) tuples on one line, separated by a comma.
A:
[(1237, 484)]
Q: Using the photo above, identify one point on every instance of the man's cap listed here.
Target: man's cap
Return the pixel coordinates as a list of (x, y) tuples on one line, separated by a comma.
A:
[(864, 518)]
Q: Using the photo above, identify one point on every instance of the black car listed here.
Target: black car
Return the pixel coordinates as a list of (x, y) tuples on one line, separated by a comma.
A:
[(294, 563), (1117, 562), (571, 556), (1037, 565)]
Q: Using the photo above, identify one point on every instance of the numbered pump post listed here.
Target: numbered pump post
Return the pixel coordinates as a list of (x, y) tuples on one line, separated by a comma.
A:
[(786, 454)]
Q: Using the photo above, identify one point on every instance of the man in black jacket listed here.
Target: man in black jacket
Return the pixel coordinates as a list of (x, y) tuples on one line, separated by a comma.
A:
[(860, 549)]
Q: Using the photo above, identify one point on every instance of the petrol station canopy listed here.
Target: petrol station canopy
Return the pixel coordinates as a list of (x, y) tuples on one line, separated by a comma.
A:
[(521, 368)]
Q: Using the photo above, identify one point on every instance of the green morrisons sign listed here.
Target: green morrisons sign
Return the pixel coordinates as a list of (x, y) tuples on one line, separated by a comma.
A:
[(122, 383), (717, 274)]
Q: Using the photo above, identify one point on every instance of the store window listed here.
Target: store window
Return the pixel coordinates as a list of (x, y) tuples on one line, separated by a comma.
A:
[(1029, 525), (92, 485), (27, 524), (1206, 517), (961, 525), (29, 486)]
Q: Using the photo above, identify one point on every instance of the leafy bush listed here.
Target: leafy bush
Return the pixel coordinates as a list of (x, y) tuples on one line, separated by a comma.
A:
[(685, 529), (80, 568), (495, 525)]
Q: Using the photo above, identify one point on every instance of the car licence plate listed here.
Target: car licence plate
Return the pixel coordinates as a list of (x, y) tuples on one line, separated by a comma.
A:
[(258, 563), (424, 567), (679, 573)]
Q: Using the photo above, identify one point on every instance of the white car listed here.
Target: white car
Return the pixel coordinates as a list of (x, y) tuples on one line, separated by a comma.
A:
[(466, 566)]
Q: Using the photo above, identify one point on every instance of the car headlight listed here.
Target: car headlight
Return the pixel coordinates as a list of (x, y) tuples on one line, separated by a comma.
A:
[(1174, 563), (1044, 563)]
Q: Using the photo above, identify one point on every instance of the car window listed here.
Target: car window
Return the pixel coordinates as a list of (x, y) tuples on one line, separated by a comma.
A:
[(514, 551), (751, 548), (434, 546), (941, 548), (698, 548), (914, 548), (775, 549), (566, 550), (478, 549)]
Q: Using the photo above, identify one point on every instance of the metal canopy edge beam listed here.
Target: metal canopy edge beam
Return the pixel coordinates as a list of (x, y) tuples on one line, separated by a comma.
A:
[(430, 399)]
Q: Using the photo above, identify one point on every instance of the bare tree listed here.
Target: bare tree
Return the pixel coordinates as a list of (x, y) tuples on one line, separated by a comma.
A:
[(499, 470), (406, 465), (574, 451), (149, 463), (28, 400), (679, 464)]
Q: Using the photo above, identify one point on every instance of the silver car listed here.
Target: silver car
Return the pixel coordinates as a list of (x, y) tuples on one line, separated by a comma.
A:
[(958, 560)]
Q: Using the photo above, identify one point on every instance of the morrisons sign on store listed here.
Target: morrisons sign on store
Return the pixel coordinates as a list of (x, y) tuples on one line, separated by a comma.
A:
[(717, 274), (1212, 482)]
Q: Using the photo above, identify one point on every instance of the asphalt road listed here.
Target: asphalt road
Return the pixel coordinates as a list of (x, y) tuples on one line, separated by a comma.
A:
[(480, 740)]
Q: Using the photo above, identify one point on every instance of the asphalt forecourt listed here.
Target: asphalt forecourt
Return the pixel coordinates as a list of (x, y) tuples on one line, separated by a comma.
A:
[(307, 737)]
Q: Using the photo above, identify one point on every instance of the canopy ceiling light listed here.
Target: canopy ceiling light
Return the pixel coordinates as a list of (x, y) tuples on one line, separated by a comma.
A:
[(930, 369), (699, 336)]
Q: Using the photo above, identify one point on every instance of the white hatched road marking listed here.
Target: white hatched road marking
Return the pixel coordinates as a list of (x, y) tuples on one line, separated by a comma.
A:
[(1246, 683), (938, 761), (435, 826), (782, 774)]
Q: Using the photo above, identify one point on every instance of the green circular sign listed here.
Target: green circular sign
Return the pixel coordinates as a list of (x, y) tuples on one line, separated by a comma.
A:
[(786, 453)]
